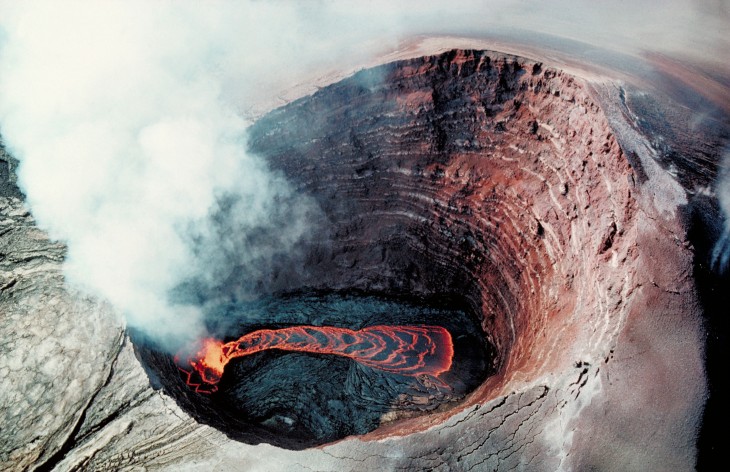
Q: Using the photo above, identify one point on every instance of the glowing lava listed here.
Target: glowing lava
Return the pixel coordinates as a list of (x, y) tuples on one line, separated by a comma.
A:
[(405, 350)]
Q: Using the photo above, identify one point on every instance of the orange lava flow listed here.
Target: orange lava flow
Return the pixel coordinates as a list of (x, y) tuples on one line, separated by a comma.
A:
[(405, 350)]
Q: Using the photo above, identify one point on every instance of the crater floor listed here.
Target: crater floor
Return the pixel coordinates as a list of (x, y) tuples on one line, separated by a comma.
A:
[(297, 400)]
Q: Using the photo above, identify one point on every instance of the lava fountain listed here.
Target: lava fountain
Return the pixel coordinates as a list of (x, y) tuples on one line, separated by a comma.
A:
[(404, 350)]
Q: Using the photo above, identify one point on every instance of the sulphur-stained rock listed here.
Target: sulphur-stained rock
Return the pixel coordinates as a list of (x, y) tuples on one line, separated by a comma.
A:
[(523, 189)]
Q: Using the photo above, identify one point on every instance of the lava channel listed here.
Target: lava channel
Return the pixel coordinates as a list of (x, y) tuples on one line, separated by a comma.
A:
[(405, 350)]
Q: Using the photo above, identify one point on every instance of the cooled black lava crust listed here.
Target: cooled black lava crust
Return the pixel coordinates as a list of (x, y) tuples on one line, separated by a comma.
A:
[(298, 400)]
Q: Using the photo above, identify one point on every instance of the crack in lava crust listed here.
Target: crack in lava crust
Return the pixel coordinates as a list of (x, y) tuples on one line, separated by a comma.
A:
[(404, 350)]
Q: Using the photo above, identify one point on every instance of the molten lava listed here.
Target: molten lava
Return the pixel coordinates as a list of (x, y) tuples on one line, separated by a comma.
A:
[(405, 350)]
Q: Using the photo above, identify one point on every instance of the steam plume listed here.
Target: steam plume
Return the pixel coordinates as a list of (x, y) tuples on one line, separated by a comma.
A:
[(128, 144), (126, 117)]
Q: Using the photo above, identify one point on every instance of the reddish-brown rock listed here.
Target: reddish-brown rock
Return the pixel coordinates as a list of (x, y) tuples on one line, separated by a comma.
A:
[(501, 180)]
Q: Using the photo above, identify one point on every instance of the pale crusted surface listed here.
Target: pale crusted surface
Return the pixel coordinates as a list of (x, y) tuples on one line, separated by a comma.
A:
[(602, 360), (56, 347)]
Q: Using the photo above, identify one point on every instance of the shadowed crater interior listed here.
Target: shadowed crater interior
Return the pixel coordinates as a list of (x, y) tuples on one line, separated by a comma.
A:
[(475, 191), (300, 399)]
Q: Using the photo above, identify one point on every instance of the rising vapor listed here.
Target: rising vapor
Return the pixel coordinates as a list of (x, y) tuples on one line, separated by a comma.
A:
[(127, 120), (128, 144)]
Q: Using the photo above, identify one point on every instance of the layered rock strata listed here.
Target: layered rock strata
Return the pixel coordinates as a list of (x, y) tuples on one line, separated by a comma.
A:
[(476, 174)]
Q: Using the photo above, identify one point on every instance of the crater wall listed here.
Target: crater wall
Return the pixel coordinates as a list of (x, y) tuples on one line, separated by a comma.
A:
[(476, 174)]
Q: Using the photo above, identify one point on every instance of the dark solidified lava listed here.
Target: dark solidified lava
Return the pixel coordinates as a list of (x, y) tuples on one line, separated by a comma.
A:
[(300, 399)]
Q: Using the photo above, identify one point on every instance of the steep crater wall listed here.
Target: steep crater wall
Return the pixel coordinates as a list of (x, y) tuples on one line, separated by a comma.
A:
[(475, 177), (473, 174)]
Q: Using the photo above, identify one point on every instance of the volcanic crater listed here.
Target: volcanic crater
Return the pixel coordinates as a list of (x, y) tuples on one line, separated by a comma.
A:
[(473, 190)]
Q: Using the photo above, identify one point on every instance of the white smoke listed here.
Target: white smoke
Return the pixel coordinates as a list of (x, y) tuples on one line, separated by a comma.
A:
[(127, 141), (126, 117)]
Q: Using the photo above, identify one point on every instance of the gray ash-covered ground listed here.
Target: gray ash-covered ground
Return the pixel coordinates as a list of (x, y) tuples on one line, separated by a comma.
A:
[(297, 400)]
